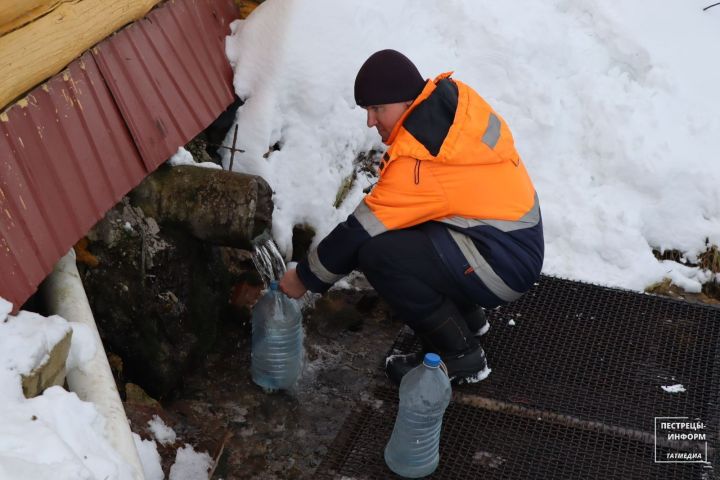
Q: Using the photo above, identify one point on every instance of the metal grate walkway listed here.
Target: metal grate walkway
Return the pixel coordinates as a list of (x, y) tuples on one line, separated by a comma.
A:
[(576, 387)]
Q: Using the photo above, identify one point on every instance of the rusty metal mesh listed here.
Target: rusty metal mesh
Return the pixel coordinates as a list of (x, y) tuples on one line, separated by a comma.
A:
[(482, 444), (601, 354), (590, 362)]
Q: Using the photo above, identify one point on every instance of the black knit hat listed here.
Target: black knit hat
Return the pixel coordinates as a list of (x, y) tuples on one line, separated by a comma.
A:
[(387, 76)]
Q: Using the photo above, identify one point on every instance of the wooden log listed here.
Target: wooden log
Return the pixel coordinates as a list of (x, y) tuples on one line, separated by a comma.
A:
[(42, 48), (16, 13), (51, 371)]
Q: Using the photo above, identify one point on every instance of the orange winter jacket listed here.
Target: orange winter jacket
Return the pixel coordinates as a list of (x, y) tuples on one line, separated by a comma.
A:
[(465, 176), (452, 170)]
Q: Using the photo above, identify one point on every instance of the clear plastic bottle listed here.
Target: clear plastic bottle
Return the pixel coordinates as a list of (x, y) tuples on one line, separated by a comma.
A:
[(277, 341), (413, 449)]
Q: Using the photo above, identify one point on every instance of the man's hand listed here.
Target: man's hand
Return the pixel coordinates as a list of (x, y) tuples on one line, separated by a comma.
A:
[(291, 285)]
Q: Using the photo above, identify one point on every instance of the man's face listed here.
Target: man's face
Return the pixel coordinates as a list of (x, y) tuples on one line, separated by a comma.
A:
[(384, 117)]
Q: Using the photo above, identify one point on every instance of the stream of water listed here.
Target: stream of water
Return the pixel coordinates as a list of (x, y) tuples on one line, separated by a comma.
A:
[(268, 261), (271, 266)]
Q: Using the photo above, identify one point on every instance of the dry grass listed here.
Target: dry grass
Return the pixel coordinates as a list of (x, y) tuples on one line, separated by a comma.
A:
[(708, 260), (710, 292), (674, 255), (247, 6)]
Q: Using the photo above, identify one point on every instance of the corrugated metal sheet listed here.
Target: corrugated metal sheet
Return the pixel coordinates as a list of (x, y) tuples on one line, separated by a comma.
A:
[(169, 76), (65, 158), (223, 12), (76, 144)]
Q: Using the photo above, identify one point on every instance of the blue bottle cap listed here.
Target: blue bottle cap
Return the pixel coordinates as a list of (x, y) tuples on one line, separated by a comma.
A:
[(432, 360), (274, 285)]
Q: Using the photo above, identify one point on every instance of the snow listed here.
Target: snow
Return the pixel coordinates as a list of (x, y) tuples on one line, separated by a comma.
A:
[(5, 309), (149, 458), (478, 377), (160, 431), (27, 339), (677, 388), (54, 435), (82, 348), (183, 157), (613, 108), (190, 465), (688, 278)]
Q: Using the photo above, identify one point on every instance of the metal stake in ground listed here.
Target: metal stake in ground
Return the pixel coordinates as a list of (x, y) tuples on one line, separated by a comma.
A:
[(232, 154), (232, 149)]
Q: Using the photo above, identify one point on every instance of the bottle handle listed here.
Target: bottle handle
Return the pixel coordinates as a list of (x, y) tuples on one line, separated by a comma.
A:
[(443, 367)]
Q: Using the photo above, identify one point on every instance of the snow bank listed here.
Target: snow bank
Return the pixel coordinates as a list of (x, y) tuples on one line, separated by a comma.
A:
[(55, 435), (613, 108), (27, 339)]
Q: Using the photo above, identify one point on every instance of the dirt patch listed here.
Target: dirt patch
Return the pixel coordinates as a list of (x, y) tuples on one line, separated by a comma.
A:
[(254, 435), (283, 435)]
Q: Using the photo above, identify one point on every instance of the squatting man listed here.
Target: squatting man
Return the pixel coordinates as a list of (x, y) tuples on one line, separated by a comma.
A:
[(453, 224)]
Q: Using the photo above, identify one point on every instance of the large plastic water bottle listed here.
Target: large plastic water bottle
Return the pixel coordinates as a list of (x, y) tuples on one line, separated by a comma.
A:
[(413, 449), (277, 341)]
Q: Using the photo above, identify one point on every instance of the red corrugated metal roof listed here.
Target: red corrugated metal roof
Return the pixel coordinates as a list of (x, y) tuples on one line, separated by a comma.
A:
[(65, 158), (169, 76), (76, 144), (224, 12)]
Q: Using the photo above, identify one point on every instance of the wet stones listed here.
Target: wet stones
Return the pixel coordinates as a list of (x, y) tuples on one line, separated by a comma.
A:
[(154, 294)]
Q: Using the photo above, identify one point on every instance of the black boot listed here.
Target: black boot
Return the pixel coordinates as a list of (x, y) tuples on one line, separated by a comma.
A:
[(444, 332), (396, 366), (403, 363), (476, 321)]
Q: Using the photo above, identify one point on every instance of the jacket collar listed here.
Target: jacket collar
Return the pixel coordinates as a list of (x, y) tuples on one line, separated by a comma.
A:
[(429, 88)]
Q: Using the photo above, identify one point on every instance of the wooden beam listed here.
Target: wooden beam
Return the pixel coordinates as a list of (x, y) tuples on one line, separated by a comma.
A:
[(42, 48), (16, 13)]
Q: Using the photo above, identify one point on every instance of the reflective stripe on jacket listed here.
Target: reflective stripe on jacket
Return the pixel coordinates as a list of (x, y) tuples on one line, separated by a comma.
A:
[(451, 163)]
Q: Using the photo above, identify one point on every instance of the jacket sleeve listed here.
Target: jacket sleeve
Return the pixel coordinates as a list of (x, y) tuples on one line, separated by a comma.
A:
[(406, 194)]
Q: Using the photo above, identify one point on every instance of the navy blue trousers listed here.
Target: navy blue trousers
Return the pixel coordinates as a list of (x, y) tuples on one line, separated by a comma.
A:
[(407, 272)]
